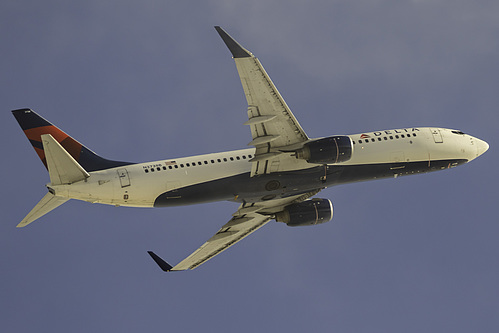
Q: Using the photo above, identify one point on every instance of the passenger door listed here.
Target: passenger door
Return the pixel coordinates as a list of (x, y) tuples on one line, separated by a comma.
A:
[(437, 136), (124, 177)]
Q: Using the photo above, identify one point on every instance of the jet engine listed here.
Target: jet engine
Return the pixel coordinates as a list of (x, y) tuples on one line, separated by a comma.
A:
[(309, 212), (328, 150)]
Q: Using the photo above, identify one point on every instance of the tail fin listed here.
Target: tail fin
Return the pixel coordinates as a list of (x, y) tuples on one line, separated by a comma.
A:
[(35, 126)]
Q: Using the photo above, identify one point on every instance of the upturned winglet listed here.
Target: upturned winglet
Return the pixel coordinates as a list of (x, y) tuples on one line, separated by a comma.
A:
[(234, 47), (161, 263)]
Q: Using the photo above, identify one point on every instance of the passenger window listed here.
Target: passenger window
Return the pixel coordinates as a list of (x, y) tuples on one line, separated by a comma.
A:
[(146, 171)]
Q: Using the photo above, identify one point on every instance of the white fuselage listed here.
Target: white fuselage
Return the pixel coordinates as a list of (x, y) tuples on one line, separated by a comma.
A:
[(139, 185)]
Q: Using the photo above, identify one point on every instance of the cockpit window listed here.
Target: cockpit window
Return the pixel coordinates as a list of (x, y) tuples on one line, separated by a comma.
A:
[(458, 132)]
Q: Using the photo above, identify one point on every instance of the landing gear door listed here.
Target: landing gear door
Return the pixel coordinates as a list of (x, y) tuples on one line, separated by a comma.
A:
[(437, 136), (124, 178)]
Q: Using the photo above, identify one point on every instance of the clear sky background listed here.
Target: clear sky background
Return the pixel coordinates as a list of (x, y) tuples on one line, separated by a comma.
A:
[(148, 80)]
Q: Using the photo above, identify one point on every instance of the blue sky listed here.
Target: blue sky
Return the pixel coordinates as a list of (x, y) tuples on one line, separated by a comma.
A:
[(149, 80)]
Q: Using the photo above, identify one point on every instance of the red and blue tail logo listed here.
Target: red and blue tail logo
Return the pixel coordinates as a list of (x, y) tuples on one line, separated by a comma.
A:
[(34, 126)]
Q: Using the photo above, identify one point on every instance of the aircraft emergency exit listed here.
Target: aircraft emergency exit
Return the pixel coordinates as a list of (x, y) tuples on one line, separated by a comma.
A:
[(276, 179)]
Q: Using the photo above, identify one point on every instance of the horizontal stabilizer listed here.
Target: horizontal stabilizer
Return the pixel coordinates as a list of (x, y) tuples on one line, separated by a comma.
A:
[(48, 203), (62, 167)]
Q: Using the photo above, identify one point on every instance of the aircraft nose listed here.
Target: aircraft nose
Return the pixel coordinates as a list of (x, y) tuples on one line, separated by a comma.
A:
[(481, 146)]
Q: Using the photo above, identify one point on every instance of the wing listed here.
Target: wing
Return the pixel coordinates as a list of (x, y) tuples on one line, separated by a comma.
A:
[(247, 219), (274, 128), (231, 233)]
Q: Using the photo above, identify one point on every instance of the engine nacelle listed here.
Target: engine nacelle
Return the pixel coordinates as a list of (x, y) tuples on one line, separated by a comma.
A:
[(333, 149), (309, 212)]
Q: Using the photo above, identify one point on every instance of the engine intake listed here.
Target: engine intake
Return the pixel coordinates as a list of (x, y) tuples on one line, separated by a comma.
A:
[(309, 212), (328, 150)]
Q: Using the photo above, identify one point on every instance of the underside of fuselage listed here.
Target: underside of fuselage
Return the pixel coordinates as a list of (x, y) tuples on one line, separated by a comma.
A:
[(243, 188)]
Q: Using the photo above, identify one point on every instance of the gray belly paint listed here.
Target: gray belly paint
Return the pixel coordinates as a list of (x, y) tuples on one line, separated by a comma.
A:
[(243, 188)]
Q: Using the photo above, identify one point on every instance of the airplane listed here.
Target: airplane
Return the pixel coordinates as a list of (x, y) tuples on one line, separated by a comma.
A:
[(275, 179)]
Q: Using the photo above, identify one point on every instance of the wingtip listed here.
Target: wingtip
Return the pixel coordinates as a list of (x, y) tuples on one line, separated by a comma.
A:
[(234, 47), (23, 110), (166, 267)]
